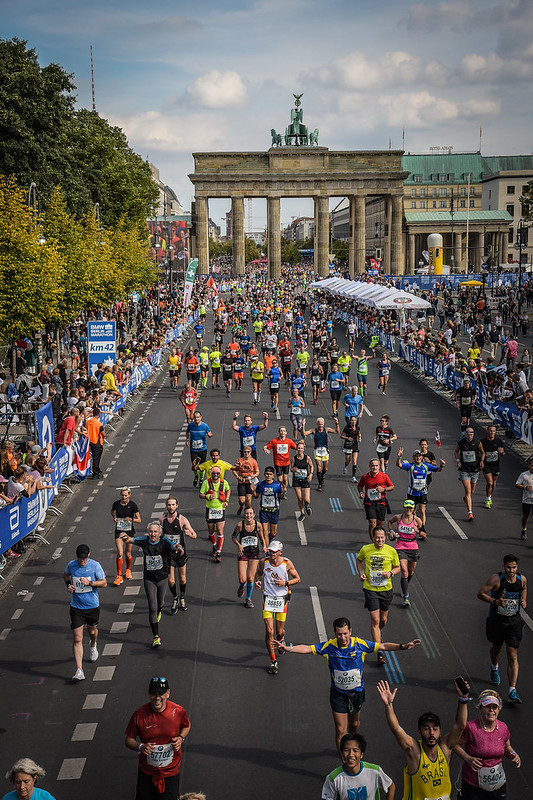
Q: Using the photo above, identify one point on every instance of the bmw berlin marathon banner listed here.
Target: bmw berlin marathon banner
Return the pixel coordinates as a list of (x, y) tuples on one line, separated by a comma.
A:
[(190, 275), (102, 345)]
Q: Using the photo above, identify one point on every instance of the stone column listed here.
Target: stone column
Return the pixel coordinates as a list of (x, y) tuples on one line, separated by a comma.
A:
[(237, 230), (387, 240), (202, 234), (397, 251), (322, 235), (477, 237), (360, 235), (458, 250), (503, 249), (274, 237), (351, 241), (412, 253)]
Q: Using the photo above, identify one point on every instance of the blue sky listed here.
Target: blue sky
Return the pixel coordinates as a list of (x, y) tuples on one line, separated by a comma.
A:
[(182, 77)]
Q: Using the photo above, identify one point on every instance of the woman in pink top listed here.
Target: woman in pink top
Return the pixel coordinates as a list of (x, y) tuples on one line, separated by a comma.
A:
[(484, 743), (407, 526)]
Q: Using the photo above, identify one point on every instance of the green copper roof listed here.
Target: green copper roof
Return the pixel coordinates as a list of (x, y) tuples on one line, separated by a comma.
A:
[(456, 166), (459, 216)]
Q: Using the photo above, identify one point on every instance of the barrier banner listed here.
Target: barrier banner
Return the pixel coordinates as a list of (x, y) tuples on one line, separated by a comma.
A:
[(44, 420), (189, 282), (82, 458)]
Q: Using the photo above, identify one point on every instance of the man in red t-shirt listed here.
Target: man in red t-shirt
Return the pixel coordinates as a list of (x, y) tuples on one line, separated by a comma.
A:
[(65, 435), (157, 731), (373, 488), (280, 448)]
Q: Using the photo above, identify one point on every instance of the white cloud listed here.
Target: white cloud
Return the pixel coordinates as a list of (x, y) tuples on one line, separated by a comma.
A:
[(417, 109), (479, 108), (152, 131), (428, 16), (357, 71), (217, 89), (491, 68)]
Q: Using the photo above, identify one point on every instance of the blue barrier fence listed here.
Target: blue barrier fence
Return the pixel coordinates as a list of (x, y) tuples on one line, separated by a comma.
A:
[(21, 518)]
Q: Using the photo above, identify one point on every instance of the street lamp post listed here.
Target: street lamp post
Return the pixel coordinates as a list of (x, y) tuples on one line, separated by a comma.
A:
[(452, 212), (520, 233)]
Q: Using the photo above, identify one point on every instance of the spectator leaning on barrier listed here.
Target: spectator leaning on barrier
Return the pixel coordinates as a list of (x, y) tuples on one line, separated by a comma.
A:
[(96, 434)]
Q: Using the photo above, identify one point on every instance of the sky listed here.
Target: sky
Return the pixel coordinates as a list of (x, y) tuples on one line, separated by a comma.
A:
[(201, 76)]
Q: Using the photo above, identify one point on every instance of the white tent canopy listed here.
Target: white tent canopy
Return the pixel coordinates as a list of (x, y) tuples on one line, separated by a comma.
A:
[(372, 295)]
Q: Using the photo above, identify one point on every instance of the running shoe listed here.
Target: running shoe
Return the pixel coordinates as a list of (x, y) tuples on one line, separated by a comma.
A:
[(12, 554), (239, 511), (248, 604), (488, 502), (214, 550), (406, 601), (514, 697), (319, 487), (344, 470), (354, 479), (494, 675), (174, 606), (159, 615), (308, 510), (273, 668), (381, 659), (78, 675), (240, 590), (301, 517), (470, 516), (182, 604), (217, 558), (195, 481), (156, 642), (523, 535), (118, 580), (127, 574), (93, 653)]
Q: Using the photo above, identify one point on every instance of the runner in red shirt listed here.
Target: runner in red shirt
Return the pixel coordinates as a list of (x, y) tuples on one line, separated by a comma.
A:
[(188, 399), (373, 488), (161, 727), (280, 448)]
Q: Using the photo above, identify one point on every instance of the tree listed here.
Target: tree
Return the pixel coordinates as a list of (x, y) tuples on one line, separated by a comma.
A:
[(527, 202), (340, 249), (290, 253), (251, 251)]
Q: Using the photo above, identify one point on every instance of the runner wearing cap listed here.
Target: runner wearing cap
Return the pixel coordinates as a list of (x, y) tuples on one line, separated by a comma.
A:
[(465, 397), (278, 574), (407, 526), (469, 457), (257, 371), (156, 731), (216, 493), (417, 489), (345, 656), (83, 577)]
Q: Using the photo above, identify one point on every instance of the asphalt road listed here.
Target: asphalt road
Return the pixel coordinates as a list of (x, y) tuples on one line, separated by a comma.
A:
[(253, 733)]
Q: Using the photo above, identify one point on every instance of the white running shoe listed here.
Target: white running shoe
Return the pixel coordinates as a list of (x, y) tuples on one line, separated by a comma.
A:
[(93, 653), (78, 675)]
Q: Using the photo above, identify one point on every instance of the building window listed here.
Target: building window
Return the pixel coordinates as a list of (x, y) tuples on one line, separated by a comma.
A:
[(413, 192), (472, 191), (510, 236), (442, 178), (510, 209), (434, 204), (471, 203), (442, 203), (510, 189), (463, 191), (413, 204), (442, 192), (490, 194), (422, 204), (434, 192), (422, 192), (451, 176), (462, 203), (418, 178)]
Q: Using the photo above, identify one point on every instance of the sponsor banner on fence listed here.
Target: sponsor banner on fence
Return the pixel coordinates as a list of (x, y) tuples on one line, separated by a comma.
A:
[(101, 344), (44, 419)]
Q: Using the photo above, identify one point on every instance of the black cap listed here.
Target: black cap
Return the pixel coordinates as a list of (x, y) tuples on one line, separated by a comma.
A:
[(428, 717), (158, 686), (82, 551)]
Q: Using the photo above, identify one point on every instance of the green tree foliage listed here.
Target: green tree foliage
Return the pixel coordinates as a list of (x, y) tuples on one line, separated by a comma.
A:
[(290, 253), (46, 141), (219, 248), (527, 202), (251, 251), (340, 249)]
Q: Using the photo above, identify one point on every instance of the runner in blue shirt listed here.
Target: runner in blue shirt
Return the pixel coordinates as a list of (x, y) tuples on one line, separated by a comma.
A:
[(245, 342), (417, 489), (344, 655), (274, 375), (197, 433), (248, 432), (297, 381), (83, 577), (336, 383), (353, 404), (199, 331), (270, 492)]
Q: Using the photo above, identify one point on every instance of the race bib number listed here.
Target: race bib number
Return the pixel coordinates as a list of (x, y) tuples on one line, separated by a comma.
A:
[(528, 496), (315, 378), (197, 444), (282, 449), (346, 681), (419, 484), (321, 452), (301, 474), (335, 384), (249, 541), (384, 371), (268, 501), (215, 513), (469, 457), (153, 563), (466, 401), (248, 441), (161, 755), (444, 796), (274, 385), (491, 778), (492, 456), (348, 449), (510, 609), (374, 494), (79, 588), (124, 525), (296, 410), (377, 578), (274, 604), (382, 448)]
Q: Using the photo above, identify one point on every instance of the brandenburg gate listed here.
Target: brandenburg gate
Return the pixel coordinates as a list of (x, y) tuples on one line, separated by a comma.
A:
[(296, 166)]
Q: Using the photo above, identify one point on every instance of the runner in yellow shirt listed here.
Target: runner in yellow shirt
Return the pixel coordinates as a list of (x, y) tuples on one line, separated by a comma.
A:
[(257, 369)]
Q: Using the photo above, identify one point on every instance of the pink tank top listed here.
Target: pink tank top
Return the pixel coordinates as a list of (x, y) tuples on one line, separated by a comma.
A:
[(406, 535)]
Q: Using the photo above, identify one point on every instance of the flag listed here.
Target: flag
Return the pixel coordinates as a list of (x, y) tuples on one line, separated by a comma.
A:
[(82, 457), (189, 282), (211, 283), (437, 439)]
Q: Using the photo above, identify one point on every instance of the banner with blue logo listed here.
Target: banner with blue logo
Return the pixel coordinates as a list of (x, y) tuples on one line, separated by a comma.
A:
[(101, 343), (44, 419)]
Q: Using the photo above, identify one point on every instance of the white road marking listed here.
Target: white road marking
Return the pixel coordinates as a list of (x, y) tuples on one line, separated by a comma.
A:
[(160, 505), (38, 581), (301, 529), (112, 649), (78, 519), (138, 561), (90, 499), (319, 617), (119, 627), (65, 539), (71, 769), (131, 590), (57, 552), (453, 523), (72, 529), (84, 509), (367, 411), (104, 673), (28, 597), (84, 732), (527, 619), (126, 608), (5, 633), (94, 701), (17, 613)]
